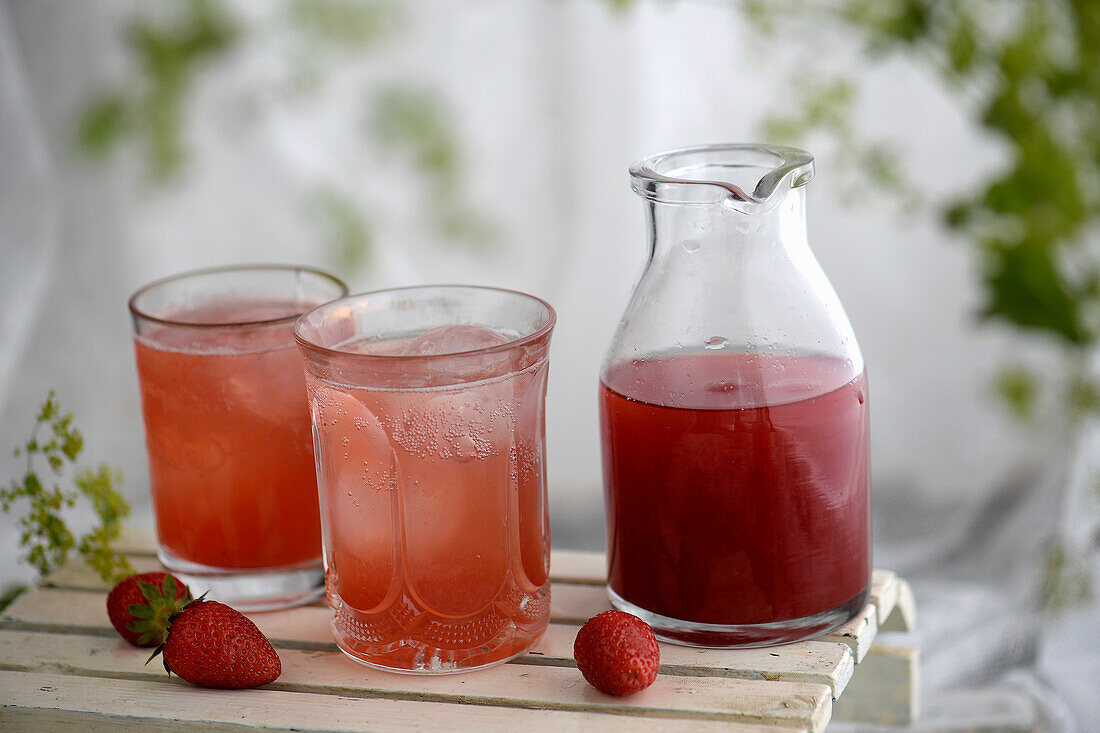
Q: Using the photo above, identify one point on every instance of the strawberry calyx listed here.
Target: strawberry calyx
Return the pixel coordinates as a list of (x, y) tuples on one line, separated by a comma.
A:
[(166, 624), (153, 617)]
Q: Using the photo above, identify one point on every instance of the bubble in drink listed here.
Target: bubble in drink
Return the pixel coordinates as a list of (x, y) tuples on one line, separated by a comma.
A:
[(453, 339)]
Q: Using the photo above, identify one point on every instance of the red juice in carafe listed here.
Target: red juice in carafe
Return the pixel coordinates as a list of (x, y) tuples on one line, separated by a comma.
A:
[(737, 490)]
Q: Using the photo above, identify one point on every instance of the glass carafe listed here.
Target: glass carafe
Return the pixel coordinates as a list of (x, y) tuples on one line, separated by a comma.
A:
[(733, 413)]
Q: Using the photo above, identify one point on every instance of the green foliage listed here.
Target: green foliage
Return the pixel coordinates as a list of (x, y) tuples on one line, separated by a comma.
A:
[(43, 529), (1036, 79), (152, 109), (1082, 395), (415, 121), (1065, 580), (9, 594), (104, 123), (344, 226), (1018, 388), (1032, 69), (826, 105), (169, 56), (352, 24), (417, 124)]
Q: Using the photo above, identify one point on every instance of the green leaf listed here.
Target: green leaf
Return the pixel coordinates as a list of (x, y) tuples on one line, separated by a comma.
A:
[(1083, 396), (354, 24), (103, 124), (140, 610), (10, 593), (1066, 581), (345, 227), (169, 54), (150, 591), (962, 46), (1025, 288), (1018, 388), (148, 636), (168, 587), (415, 123)]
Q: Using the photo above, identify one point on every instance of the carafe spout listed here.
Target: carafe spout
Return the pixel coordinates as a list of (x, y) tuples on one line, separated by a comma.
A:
[(749, 178)]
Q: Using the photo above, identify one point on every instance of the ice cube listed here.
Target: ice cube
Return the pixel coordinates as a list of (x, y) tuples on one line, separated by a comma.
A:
[(453, 339)]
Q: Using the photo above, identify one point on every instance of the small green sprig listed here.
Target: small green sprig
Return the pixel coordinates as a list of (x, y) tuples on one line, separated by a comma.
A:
[(44, 533)]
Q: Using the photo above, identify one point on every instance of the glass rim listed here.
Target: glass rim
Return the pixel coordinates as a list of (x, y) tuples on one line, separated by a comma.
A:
[(308, 344), (789, 165), (188, 274)]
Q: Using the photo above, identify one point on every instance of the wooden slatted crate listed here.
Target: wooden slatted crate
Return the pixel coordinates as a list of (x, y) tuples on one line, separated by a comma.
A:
[(63, 667)]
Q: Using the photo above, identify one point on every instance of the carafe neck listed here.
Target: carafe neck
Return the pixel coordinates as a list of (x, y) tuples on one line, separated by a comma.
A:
[(721, 230)]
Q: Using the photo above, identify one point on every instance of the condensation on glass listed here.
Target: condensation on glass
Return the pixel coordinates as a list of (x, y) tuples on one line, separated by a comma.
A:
[(429, 422)]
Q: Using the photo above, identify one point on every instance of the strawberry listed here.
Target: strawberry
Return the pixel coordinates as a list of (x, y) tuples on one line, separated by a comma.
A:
[(139, 607), (213, 645), (617, 653)]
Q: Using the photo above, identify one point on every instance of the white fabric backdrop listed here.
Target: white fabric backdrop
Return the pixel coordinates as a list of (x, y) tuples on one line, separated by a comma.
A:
[(551, 100)]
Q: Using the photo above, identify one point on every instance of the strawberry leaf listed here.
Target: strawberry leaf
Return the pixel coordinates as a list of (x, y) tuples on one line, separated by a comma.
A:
[(150, 591), (168, 587), (140, 610), (156, 651)]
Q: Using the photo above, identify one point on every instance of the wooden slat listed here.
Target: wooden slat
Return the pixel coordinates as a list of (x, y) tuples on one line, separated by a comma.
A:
[(858, 633), (308, 628), (828, 664), (573, 566), (790, 704), (575, 604), (578, 592), (32, 703), (904, 616), (571, 604), (887, 689), (884, 593), (76, 575), (567, 566), (797, 681), (136, 540)]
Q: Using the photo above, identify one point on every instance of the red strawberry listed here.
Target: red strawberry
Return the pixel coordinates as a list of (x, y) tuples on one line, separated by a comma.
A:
[(213, 645), (139, 607), (617, 653)]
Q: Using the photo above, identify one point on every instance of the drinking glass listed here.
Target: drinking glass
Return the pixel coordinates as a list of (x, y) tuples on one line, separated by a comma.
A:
[(734, 412), (428, 418), (228, 432)]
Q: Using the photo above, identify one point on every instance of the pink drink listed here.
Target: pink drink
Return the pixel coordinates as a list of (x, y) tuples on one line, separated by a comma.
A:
[(228, 432), (433, 492), (737, 490)]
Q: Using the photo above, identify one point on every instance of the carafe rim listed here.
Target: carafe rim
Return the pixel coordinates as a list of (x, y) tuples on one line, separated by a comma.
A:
[(694, 175)]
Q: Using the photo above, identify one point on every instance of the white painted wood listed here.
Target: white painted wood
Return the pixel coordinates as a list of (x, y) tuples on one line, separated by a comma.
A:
[(828, 664), (567, 565), (858, 633), (788, 704), (887, 689), (577, 603), (76, 574), (63, 629), (308, 628), (904, 617), (578, 567), (136, 540), (33, 703), (884, 593)]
